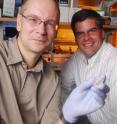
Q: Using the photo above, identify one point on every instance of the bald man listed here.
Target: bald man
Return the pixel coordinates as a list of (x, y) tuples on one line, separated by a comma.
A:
[(29, 88)]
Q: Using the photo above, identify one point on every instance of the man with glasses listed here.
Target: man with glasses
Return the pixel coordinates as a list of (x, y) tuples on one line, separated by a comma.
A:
[(94, 59), (29, 88)]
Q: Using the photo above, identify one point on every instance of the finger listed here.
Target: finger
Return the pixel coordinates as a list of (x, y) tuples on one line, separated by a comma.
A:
[(100, 79), (100, 86), (98, 97), (82, 88), (99, 92)]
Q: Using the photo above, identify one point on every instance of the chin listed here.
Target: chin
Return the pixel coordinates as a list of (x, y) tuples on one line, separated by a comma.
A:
[(41, 50), (40, 47)]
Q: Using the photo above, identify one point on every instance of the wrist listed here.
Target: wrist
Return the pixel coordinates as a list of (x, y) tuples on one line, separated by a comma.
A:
[(70, 118), (65, 121)]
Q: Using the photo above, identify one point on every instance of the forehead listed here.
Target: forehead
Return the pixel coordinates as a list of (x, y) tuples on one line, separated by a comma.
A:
[(41, 8), (85, 25)]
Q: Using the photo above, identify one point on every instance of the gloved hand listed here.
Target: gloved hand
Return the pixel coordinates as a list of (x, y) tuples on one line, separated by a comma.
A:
[(84, 99)]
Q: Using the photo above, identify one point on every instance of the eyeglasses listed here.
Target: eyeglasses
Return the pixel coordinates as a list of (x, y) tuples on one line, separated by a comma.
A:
[(34, 21), (90, 32)]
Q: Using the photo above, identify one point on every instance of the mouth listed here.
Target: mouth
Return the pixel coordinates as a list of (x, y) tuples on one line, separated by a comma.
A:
[(40, 41), (88, 44)]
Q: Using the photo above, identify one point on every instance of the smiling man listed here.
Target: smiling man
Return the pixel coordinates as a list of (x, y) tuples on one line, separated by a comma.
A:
[(94, 59), (29, 88)]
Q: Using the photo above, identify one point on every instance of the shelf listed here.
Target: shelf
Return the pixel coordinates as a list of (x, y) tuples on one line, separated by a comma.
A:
[(7, 19), (110, 28), (67, 26), (64, 42), (62, 24)]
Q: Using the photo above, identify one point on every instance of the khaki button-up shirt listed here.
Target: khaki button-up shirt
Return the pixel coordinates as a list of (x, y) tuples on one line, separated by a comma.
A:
[(27, 96)]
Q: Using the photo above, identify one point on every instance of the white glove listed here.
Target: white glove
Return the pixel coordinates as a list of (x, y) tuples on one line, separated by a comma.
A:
[(84, 99)]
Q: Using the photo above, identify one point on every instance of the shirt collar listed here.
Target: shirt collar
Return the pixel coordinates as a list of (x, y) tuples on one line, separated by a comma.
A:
[(14, 57), (38, 67), (97, 56)]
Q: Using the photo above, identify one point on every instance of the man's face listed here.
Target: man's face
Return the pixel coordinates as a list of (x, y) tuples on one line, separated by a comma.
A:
[(89, 37), (37, 25)]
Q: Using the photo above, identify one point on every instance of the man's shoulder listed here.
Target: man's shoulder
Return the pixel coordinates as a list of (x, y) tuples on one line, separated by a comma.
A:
[(110, 55), (3, 54), (3, 45), (75, 57), (112, 51), (77, 54), (5, 49), (71, 62)]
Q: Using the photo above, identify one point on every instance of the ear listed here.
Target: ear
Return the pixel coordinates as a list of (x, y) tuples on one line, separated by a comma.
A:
[(103, 34), (75, 39), (18, 26)]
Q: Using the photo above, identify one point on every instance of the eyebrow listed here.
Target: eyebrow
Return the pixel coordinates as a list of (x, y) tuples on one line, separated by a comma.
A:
[(35, 16), (31, 15), (87, 30)]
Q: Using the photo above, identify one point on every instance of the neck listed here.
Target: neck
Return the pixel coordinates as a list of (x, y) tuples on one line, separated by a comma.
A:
[(30, 60), (29, 57)]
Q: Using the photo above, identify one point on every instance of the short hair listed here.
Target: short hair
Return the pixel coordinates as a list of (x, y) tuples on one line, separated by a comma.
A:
[(22, 6), (25, 1), (84, 14)]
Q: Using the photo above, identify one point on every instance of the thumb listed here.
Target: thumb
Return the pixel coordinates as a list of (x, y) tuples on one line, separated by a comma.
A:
[(101, 82)]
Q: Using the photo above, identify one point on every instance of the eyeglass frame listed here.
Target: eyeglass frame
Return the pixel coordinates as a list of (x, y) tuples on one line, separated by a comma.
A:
[(90, 32), (34, 21)]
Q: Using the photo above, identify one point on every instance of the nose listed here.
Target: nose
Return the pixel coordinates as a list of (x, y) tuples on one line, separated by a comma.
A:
[(41, 28), (86, 36)]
